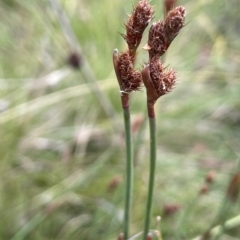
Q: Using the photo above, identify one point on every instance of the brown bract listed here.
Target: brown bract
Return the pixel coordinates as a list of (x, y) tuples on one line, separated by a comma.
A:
[(173, 23), (136, 24), (128, 78)]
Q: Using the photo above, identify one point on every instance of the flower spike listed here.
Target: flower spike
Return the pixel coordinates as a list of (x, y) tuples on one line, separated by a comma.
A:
[(136, 24)]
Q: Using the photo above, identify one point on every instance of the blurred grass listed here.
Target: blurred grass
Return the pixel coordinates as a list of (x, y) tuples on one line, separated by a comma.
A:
[(59, 154)]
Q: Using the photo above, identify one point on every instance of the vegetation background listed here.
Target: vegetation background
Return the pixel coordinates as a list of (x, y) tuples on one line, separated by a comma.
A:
[(62, 154)]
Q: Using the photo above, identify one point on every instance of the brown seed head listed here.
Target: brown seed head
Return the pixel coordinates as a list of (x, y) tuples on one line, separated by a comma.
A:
[(157, 80), (163, 81), (169, 80), (131, 80), (142, 15), (173, 23), (156, 41), (137, 22), (125, 66)]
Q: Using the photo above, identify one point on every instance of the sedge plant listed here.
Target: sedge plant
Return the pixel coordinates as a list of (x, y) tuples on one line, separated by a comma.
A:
[(157, 80), (130, 80)]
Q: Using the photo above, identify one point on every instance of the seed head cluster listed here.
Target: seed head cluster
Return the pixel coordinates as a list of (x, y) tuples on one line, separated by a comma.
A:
[(137, 23), (156, 40), (160, 36), (162, 80), (162, 33), (131, 79), (128, 78), (174, 22)]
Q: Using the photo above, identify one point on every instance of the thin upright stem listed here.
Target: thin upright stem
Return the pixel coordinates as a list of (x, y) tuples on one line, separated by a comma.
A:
[(129, 165), (231, 223), (152, 126)]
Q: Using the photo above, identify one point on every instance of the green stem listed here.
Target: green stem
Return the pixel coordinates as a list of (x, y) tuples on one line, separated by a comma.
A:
[(129, 170), (152, 125), (234, 222)]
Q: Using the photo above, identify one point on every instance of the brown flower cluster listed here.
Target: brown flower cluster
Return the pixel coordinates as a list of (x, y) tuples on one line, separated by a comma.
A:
[(174, 22), (162, 33), (161, 81), (131, 79), (137, 23)]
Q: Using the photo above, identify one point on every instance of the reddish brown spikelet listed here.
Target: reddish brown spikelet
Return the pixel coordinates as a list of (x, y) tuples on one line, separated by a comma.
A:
[(163, 81), (234, 187), (137, 23), (125, 66), (131, 80), (169, 80), (142, 15), (132, 37), (156, 72), (156, 41), (173, 23), (136, 80)]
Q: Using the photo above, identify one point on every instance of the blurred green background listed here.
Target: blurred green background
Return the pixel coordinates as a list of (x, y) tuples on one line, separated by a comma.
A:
[(62, 154)]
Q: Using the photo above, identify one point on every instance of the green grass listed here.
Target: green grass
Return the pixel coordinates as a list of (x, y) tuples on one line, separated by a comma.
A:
[(59, 150)]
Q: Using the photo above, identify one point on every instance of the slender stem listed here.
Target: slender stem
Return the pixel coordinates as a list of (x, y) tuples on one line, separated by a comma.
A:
[(152, 125), (231, 223), (129, 165)]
